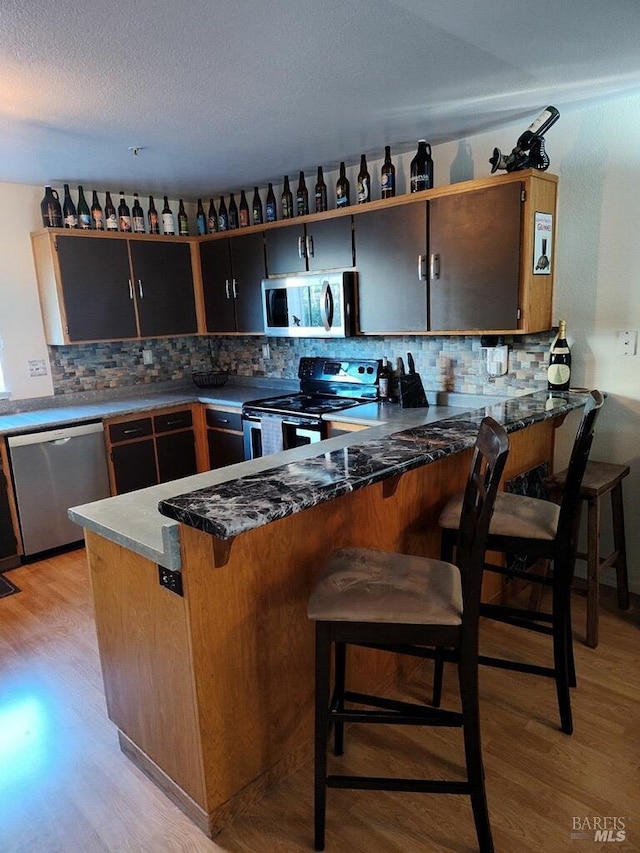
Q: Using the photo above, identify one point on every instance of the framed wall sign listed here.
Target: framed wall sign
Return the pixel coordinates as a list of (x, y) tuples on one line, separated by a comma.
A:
[(542, 243)]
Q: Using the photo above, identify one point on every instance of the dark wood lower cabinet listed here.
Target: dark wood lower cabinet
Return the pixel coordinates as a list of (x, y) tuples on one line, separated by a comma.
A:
[(176, 455), (134, 465), (225, 448)]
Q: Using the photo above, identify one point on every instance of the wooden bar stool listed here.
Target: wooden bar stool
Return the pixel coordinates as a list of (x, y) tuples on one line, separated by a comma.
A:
[(600, 479)]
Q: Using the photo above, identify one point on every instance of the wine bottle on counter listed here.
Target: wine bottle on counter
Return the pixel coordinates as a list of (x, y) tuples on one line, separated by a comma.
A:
[(183, 220), (168, 220), (152, 216), (50, 209), (223, 216), (124, 214), (320, 192), (137, 215), (271, 209), (69, 210), (387, 175), (110, 213), (302, 197), (559, 371), (243, 216), (364, 182), (212, 218), (343, 188), (201, 219), (96, 213), (287, 199), (84, 214), (422, 168), (384, 380), (256, 207)]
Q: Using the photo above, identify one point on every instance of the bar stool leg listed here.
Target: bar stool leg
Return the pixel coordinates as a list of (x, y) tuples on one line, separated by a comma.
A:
[(593, 570), (620, 545)]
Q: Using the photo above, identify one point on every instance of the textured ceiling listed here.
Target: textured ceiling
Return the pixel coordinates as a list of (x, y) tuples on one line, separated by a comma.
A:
[(222, 94)]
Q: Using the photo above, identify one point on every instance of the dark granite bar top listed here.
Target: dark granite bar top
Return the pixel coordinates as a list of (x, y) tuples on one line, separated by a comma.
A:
[(238, 505)]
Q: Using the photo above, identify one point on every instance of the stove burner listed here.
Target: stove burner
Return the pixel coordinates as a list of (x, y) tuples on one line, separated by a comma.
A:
[(302, 404)]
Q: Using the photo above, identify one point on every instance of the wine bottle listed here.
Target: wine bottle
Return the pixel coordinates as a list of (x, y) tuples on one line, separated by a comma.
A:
[(69, 210), (110, 213), (548, 117), (343, 188), (243, 215), (152, 215), (223, 216), (256, 207), (50, 209), (387, 175), (559, 371), (233, 212), (320, 192), (422, 168), (168, 221), (384, 380), (271, 208), (287, 199), (212, 218), (302, 196), (84, 214), (201, 219), (137, 215), (183, 220), (364, 182), (96, 213), (124, 214)]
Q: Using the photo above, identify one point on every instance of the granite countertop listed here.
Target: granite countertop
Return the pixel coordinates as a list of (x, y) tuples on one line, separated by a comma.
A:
[(237, 498), (227, 509)]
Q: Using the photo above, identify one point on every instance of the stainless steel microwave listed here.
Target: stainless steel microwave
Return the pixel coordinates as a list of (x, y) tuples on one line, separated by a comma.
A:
[(311, 305)]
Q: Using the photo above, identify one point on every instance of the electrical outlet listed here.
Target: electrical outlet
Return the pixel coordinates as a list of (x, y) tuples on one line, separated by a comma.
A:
[(170, 580), (626, 342), (266, 352), (496, 360), (37, 367), (147, 356)]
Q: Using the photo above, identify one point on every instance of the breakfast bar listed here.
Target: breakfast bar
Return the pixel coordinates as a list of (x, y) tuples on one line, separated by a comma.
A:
[(207, 658)]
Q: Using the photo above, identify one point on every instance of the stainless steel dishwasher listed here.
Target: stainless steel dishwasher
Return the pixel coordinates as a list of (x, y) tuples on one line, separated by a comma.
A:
[(52, 471)]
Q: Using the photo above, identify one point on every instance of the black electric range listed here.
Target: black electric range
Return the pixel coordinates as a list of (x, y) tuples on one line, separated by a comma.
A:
[(291, 420)]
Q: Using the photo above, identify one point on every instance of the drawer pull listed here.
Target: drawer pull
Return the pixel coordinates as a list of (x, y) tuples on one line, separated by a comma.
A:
[(134, 431)]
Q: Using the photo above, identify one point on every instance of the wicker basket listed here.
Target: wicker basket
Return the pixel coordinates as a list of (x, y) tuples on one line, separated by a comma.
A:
[(209, 378)]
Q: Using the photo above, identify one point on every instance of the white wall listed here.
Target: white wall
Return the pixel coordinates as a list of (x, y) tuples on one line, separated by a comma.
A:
[(596, 153)]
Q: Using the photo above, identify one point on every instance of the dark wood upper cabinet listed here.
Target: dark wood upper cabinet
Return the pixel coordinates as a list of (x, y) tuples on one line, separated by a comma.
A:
[(391, 248), (232, 273), (474, 248), (112, 288), (325, 244), (97, 288), (163, 285)]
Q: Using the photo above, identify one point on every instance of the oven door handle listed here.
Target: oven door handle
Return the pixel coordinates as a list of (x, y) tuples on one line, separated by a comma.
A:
[(326, 306)]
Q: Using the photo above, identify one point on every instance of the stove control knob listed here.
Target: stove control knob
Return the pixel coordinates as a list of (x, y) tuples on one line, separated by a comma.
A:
[(369, 370), (361, 369)]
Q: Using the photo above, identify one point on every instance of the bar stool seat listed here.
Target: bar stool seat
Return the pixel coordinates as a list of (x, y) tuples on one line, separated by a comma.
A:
[(600, 479)]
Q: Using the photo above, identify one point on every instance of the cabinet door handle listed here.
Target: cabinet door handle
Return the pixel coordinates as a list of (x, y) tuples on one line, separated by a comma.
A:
[(420, 267), (226, 287), (140, 290), (434, 271), (309, 242), (300, 248), (235, 291), (130, 290)]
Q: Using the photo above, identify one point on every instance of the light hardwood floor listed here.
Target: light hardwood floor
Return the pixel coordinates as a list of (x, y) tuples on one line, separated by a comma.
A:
[(65, 787)]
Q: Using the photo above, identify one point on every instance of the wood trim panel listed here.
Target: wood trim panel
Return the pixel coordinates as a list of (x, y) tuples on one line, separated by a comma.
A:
[(13, 507)]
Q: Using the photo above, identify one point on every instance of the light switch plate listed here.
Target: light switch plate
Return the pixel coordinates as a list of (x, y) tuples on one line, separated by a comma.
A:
[(37, 367)]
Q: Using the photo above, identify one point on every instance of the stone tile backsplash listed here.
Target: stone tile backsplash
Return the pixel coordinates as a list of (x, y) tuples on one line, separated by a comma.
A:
[(452, 363)]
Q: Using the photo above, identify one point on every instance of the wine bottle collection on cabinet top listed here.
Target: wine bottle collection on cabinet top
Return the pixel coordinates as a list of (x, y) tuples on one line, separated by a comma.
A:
[(228, 217)]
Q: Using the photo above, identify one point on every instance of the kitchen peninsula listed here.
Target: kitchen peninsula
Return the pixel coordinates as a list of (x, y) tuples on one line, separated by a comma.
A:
[(205, 646)]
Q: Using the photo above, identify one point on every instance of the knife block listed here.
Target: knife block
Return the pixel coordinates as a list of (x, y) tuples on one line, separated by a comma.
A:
[(411, 392)]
